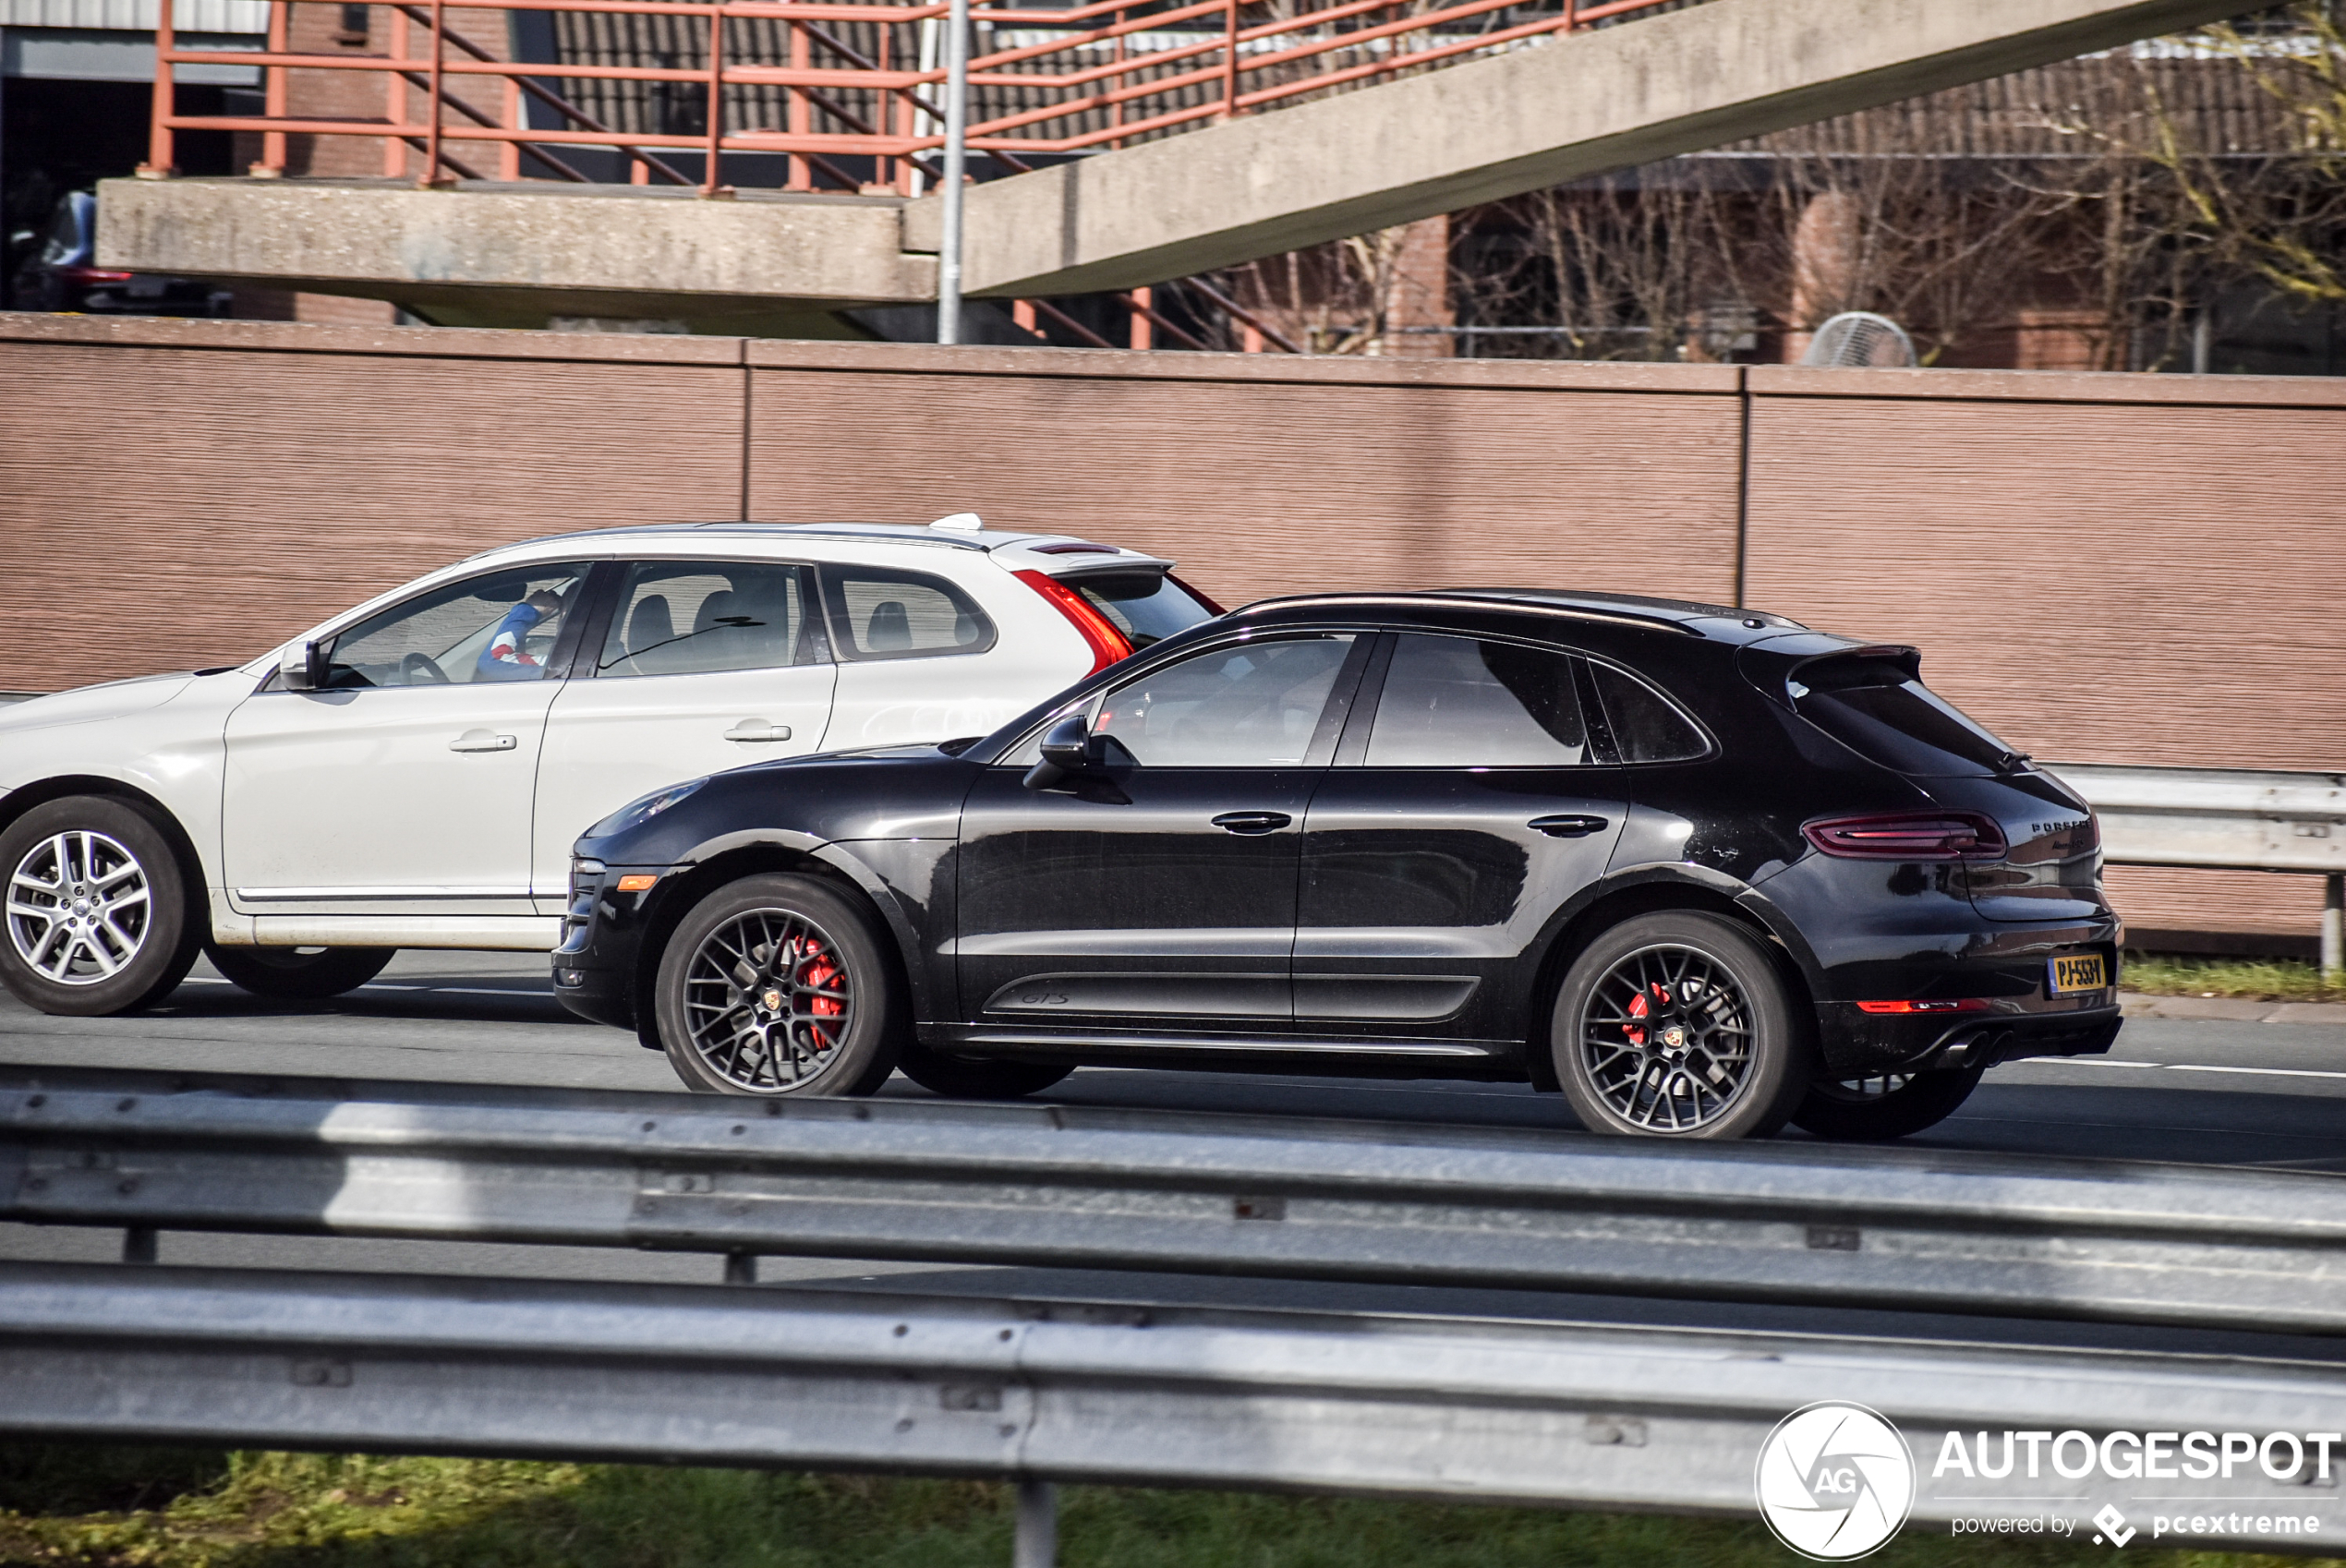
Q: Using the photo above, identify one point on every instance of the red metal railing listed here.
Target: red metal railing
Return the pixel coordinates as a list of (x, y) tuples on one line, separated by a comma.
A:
[(1053, 80)]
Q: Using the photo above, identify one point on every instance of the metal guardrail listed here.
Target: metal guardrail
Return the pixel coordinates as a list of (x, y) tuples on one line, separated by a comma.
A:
[(1067, 1186), (1453, 1408), (2220, 818), (1444, 1408), (2226, 819)]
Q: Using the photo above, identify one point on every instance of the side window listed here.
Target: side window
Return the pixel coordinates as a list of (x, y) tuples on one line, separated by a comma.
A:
[(502, 626), (694, 616), (877, 613), (1453, 702), (1256, 706), (1647, 726)]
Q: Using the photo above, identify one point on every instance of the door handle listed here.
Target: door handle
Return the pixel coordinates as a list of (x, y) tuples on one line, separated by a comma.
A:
[(1252, 821), (482, 741), (757, 730), (1569, 825)]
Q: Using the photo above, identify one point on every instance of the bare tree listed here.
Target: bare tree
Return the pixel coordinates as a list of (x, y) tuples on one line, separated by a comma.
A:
[(2084, 215), (2284, 218)]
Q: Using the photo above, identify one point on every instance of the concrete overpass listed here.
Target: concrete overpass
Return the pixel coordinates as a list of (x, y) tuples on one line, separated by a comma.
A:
[(483, 253)]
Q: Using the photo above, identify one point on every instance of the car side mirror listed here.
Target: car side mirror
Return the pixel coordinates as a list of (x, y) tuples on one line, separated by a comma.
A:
[(1067, 745), (1068, 752), (303, 667)]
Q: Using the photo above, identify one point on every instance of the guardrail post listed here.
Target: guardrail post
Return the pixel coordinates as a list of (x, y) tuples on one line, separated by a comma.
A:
[(273, 99), (433, 175), (1037, 1544), (741, 1268), (395, 97), (138, 1244), (2334, 928), (164, 104), (709, 184), (799, 116), (1229, 58)]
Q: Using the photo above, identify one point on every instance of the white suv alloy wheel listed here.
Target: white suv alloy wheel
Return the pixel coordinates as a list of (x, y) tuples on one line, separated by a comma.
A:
[(78, 908)]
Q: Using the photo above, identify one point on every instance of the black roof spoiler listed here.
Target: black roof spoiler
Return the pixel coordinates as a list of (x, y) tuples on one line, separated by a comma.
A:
[(1773, 666), (1817, 669)]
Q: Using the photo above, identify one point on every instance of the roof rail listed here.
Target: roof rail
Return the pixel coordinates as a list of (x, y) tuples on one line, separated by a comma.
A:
[(1623, 616)]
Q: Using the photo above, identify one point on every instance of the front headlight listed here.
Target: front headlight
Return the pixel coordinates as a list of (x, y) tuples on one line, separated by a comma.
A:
[(635, 813)]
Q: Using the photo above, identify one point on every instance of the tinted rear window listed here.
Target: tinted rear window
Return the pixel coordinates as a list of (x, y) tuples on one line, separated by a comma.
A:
[(1146, 606), (1901, 724)]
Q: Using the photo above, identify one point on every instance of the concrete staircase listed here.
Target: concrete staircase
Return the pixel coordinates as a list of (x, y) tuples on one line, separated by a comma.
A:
[(787, 264)]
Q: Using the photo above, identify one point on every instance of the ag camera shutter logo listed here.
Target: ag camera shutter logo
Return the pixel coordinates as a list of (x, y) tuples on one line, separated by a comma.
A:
[(1834, 1480)]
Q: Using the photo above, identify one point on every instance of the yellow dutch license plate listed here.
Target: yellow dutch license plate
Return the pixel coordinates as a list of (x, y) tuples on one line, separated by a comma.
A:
[(2084, 972)]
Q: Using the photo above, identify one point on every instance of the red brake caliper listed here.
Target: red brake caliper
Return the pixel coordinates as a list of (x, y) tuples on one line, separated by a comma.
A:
[(1638, 1008), (820, 972)]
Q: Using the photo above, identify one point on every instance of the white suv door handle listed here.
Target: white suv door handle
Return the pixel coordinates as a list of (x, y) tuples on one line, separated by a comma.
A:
[(482, 741), (757, 730)]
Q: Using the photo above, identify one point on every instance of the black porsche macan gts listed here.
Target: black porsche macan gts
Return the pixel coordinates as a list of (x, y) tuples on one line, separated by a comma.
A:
[(1702, 869)]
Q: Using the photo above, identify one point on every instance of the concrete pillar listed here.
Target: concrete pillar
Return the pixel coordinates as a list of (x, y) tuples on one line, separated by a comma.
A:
[(1418, 292), (1824, 266)]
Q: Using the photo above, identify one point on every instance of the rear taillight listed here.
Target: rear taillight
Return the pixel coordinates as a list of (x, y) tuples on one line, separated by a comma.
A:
[(1908, 836), (91, 275), (1958, 1005), (1108, 643)]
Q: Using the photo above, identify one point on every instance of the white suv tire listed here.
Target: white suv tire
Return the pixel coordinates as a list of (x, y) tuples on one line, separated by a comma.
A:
[(97, 914)]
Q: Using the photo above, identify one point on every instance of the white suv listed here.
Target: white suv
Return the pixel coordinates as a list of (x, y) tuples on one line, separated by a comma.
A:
[(412, 773)]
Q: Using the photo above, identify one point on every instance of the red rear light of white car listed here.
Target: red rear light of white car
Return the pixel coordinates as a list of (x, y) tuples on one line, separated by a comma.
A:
[(1108, 643), (1908, 836)]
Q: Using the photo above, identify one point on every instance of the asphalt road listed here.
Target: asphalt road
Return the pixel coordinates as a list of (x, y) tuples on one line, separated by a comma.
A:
[(2209, 1091)]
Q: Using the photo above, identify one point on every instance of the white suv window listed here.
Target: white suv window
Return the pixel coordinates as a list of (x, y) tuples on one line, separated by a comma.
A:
[(877, 613), (500, 626), (694, 616)]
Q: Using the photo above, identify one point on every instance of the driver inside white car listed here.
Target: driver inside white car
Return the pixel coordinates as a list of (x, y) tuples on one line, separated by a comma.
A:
[(507, 658)]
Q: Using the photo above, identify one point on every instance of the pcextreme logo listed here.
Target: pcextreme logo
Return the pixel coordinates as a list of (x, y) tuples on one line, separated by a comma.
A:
[(1834, 1480)]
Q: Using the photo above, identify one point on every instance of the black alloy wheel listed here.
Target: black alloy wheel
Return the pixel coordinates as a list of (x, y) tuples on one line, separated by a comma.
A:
[(959, 1077), (1886, 1105), (97, 908), (1678, 1025), (299, 974), (778, 984)]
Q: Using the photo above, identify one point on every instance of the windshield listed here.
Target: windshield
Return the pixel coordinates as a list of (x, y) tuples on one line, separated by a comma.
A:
[(1146, 606), (1904, 725)]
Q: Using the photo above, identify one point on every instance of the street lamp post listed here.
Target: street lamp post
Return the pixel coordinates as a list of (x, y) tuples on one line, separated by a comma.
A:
[(957, 117)]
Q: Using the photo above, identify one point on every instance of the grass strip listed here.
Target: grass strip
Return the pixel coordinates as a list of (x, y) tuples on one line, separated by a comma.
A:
[(2262, 980), (176, 1509)]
